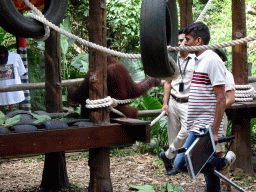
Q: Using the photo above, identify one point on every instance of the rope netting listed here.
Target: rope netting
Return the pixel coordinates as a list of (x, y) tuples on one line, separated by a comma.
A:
[(107, 101)]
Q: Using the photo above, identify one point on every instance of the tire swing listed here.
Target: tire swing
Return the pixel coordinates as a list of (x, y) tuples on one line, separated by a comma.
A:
[(15, 23), (158, 29)]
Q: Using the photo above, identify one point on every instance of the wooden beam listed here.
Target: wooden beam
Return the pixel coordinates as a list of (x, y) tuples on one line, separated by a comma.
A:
[(73, 138), (99, 160), (55, 171), (242, 145), (186, 15)]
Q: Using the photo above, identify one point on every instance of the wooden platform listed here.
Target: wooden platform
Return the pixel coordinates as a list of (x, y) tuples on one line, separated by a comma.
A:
[(241, 110), (120, 131)]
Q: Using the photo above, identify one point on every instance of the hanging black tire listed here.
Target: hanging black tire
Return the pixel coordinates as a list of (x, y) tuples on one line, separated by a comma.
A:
[(158, 29), (15, 23)]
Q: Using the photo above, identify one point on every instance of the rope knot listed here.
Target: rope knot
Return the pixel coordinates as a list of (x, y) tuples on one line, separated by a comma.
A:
[(106, 102), (114, 102)]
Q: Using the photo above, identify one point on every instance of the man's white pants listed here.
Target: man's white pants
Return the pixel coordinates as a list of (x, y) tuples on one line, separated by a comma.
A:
[(177, 126)]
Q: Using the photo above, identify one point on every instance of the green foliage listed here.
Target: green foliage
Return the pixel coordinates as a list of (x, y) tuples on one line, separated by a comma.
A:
[(251, 30), (16, 119), (143, 188), (148, 188), (121, 152), (81, 156), (40, 118), (123, 18), (36, 72), (253, 129), (40, 158), (81, 62), (135, 68), (171, 188), (66, 42), (10, 121), (2, 117)]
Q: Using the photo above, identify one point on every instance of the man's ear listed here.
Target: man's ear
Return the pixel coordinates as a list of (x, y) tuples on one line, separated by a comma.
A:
[(199, 41)]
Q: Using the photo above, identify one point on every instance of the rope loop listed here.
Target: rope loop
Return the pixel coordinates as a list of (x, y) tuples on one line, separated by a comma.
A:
[(46, 35), (244, 93), (106, 102)]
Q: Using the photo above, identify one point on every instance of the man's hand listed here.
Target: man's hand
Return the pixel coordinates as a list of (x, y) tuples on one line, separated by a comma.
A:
[(165, 108), (215, 136)]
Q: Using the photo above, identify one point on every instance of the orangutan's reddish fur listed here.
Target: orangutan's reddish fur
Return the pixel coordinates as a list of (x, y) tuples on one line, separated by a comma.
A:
[(120, 86)]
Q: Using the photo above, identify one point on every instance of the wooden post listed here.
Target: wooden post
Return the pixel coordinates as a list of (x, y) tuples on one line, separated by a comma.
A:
[(242, 144), (55, 172), (186, 15), (99, 160)]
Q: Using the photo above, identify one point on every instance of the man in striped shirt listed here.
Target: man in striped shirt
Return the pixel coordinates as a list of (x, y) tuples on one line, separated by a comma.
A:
[(206, 104)]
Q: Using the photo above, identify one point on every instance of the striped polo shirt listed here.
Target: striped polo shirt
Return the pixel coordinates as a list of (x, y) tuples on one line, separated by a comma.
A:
[(209, 72)]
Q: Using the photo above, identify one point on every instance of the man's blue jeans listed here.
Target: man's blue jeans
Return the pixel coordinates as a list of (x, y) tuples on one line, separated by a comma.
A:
[(212, 181)]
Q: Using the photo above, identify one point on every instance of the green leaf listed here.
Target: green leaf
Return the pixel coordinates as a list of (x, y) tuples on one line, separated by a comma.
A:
[(66, 42), (135, 68), (2, 117), (41, 118), (172, 188), (81, 62), (64, 45), (13, 120), (151, 103), (143, 188)]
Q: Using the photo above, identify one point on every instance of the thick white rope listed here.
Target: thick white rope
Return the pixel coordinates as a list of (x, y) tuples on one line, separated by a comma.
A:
[(204, 11), (213, 46), (244, 93), (46, 34), (107, 102), (116, 111)]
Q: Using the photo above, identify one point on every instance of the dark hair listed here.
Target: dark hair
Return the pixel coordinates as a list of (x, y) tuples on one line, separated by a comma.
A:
[(181, 31), (3, 55), (198, 29), (222, 54)]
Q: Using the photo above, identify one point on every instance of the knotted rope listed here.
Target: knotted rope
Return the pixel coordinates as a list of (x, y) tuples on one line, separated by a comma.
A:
[(107, 102)]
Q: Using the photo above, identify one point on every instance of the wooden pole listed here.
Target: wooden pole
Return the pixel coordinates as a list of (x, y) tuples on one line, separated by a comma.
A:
[(55, 172), (186, 15), (99, 160), (242, 144)]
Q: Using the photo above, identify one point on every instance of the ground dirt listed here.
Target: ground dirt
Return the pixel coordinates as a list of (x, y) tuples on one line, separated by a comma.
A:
[(25, 174)]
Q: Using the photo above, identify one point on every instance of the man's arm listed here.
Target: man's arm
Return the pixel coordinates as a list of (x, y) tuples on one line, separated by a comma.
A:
[(230, 98), (167, 91), (219, 91)]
